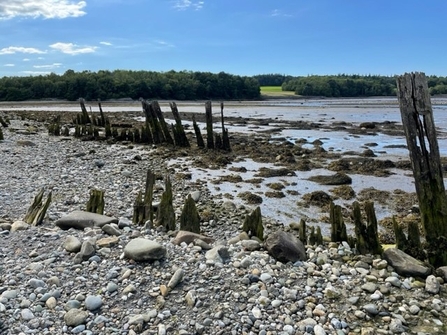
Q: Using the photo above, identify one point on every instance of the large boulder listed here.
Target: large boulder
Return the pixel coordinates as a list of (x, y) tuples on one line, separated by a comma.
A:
[(141, 249), (404, 264), (285, 247), (81, 220)]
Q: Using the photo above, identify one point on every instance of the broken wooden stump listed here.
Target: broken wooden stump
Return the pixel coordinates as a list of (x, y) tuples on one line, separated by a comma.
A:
[(165, 212), (253, 224), (3, 122), (302, 234), (179, 131), (420, 132), (190, 219), (209, 125), (315, 236), (84, 117), (1, 135), (164, 127), (338, 227), (366, 233), (152, 120), (95, 203), (225, 137), (143, 210), (200, 142), (36, 212)]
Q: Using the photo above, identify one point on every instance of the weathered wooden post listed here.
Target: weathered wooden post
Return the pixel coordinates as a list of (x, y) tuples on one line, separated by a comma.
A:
[(253, 224), (225, 138), (143, 210), (95, 203), (417, 119), (165, 212), (209, 125), (36, 212), (366, 233), (179, 132), (190, 219), (338, 227), (164, 127), (85, 118), (101, 113), (199, 137)]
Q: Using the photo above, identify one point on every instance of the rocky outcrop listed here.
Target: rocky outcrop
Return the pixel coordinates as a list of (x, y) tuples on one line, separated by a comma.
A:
[(81, 220), (404, 264), (285, 247)]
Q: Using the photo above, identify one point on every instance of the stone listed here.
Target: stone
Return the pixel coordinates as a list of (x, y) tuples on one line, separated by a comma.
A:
[(75, 317), (141, 249), (404, 264), (88, 249), (442, 272), (218, 254), (111, 229), (195, 195), (19, 225), (189, 237), (285, 247), (176, 278), (107, 242), (26, 314), (81, 220), (51, 302), (250, 245), (432, 285), (72, 244), (93, 302)]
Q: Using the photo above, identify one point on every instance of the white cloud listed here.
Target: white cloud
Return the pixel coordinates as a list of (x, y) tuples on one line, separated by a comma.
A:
[(105, 43), (187, 4), (73, 49), (48, 9), (163, 44), (277, 12), (26, 59), (35, 73), (49, 66), (13, 50), (10, 65)]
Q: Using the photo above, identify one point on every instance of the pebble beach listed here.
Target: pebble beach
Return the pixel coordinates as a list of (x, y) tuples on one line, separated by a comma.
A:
[(72, 281)]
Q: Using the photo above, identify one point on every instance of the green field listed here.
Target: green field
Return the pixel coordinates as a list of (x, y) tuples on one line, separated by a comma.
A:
[(275, 91)]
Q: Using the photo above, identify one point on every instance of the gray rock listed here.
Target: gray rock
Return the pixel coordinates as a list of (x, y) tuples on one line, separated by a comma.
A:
[(285, 247), (81, 220), (319, 330), (19, 225), (404, 264), (93, 302), (26, 314), (72, 304), (35, 283), (75, 317), (195, 195), (432, 285), (111, 230), (141, 249), (72, 244), (371, 309), (218, 254), (88, 249), (189, 237), (251, 245)]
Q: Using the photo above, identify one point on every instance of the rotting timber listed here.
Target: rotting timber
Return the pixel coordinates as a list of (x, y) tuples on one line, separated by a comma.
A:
[(420, 132)]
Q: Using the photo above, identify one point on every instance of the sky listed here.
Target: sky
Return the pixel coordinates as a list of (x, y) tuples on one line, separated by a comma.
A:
[(241, 37)]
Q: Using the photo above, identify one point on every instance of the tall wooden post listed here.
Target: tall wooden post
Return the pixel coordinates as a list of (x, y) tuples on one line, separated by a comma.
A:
[(209, 125), (420, 132)]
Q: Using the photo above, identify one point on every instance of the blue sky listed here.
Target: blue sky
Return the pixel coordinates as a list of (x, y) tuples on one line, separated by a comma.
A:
[(244, 37)]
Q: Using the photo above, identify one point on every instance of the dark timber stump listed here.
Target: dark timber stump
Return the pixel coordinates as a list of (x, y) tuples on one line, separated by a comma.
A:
[(417, 119), (36, 212), (209, 125), (199, 137), (338, 227), (165, 212), (190, 219), (96, 202), (179, 132)]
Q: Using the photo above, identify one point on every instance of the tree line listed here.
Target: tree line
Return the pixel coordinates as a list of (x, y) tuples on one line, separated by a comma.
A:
[(119, 84), (187, 85), (354, 85)]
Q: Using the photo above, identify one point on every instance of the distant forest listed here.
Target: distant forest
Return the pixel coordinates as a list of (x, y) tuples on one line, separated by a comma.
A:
[(186, 85)]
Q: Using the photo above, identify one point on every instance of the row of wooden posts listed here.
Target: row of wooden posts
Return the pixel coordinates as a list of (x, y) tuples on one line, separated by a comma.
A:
[(155, 130), (418, 123)]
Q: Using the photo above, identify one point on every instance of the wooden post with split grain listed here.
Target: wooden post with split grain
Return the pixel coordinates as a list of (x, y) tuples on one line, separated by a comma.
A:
[(161, 120), (36, 212), (418, 122), (225, 137), (209, 125), (199, 136), (179, 132), (338, 227), (85, 118), (95, 203)]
